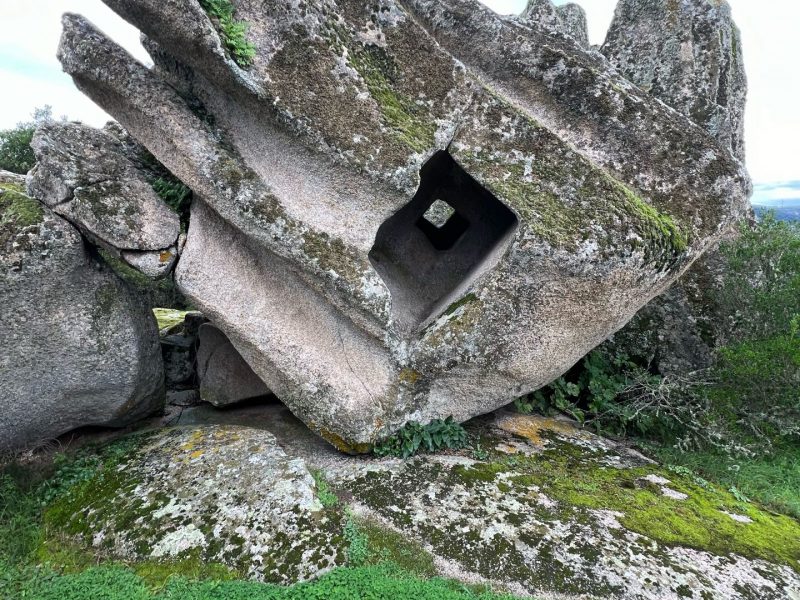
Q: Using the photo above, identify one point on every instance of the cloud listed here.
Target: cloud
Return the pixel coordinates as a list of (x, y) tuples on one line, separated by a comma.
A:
[(773, 194), (30, 74), (29, 33)]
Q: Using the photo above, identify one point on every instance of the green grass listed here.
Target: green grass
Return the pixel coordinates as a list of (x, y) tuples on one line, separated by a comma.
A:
[(117, 582), (772, 480)]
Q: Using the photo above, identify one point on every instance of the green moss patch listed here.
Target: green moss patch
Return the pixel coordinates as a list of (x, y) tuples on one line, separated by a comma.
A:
[(232, 31), (700, 521), (17, 210), (411, 123)]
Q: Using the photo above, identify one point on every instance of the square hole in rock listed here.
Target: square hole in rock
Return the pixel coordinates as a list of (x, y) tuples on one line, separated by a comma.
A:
[(430, 250), (442, 225)]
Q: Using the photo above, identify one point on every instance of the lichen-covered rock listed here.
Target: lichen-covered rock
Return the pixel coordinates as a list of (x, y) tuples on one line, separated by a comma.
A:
[(225, 495), (547, 510), (8, 177), (95, 179), (576, 197), (225, 378), (78, 348), (687, 53), (568, 19)]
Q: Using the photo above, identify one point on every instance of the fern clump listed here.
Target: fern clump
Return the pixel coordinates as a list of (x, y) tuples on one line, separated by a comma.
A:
[(232, 32)]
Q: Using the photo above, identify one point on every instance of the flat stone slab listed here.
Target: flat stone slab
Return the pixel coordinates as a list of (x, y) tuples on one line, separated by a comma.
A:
[(536, 507), (229, 495)]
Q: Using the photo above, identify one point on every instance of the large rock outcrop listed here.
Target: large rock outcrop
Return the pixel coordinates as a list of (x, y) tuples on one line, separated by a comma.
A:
[(409, 211), (548, 511), (78, 347), (688, 55)]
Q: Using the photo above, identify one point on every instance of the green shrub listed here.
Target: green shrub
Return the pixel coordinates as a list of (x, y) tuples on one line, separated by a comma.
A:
[(761, 295), (232, 32), (414, 437), (614, 395), (16, 154), (174, 193)]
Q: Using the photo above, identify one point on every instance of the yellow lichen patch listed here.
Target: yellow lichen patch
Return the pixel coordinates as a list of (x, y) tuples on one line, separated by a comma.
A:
[(196, 454), (193, 441), (531, 427), (341, 445), (507, 448), (409, 376)]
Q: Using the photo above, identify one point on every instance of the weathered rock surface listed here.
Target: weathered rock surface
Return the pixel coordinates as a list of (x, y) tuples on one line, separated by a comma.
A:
[(95, 179), (687, 53), (78, 348), (548, 511), (576, 196), (568, 19), (12, 178), (225, 377), (230, 495), (679, 332)]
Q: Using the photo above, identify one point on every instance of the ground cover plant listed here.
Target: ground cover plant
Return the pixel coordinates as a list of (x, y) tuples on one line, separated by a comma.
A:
[(232, 31), (738, 423)]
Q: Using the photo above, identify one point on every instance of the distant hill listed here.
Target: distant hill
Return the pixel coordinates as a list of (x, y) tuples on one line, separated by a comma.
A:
[(785, 210), (781, 197)]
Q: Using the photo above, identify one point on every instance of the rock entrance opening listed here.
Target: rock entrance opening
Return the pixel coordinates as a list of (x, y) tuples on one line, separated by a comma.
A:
[(433, 248)]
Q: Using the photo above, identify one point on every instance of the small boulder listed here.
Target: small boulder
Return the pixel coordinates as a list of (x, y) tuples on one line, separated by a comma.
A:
[(95, 179), (225, 377), (229, 495)]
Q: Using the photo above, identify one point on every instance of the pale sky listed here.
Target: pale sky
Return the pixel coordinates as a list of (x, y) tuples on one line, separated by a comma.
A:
[(30, 75)]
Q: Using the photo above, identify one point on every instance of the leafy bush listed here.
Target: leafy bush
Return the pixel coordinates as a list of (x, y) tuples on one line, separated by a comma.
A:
[(16, 154), (232, 32), (413, 437), (761, 295), (174, 193), (615, 395)]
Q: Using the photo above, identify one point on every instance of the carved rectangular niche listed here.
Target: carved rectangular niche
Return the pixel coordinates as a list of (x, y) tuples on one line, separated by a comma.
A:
[(430, 250)]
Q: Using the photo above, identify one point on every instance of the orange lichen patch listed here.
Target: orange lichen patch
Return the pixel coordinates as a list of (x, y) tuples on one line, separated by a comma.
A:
[(341, 445), (507, 448), (532, 427), (165, 256)]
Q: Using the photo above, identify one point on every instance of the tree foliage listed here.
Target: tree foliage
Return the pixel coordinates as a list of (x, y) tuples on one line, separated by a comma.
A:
[(16, 154)]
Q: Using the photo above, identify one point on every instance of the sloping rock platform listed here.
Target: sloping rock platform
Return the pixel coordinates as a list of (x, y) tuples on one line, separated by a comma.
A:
[(536, 508)]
